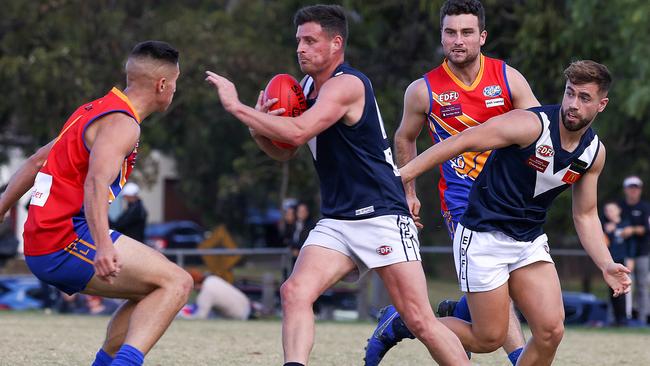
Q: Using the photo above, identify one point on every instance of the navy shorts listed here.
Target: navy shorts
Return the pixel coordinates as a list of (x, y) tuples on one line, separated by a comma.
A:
[(71, 268)]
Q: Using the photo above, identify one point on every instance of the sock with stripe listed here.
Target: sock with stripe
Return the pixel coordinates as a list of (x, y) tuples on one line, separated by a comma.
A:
[(128, 356), (102, 358)]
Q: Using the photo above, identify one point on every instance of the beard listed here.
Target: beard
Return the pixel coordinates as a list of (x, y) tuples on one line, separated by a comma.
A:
[(574, 126), (461, 61)]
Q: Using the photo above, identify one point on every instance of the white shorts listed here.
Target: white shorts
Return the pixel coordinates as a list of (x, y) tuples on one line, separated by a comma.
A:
[(484, 260), (370, 243)]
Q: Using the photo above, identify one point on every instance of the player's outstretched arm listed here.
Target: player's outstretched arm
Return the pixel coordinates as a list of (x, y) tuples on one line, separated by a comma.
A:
[(589, 228), (263, 142), (522, 95), (517, 127), (416, 105), (110, 139), (335, 100), (23, 179)]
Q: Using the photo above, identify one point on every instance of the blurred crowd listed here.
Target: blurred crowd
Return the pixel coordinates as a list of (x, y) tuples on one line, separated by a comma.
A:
[(626, 224)]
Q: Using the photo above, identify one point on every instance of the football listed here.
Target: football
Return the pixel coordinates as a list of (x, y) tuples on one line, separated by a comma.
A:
[(290, 97)]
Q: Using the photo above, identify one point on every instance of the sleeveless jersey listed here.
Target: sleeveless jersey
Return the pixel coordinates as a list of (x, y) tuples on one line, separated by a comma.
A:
[(358, 178), (56, 208), (454, 107), (518, 185)]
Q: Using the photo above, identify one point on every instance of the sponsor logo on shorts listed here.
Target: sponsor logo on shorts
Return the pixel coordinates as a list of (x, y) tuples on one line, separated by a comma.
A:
[(492, 91), (545, 151), (448, 97), (384, 250), (496, 102), (547, 249)]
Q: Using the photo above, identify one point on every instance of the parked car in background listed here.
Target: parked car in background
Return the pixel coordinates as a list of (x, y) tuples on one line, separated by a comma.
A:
[(20, 293), (183, 234)]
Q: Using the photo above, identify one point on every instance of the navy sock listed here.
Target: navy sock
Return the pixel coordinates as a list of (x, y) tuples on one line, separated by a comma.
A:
[(128, 356), (102, 358), (461, 311), (514, 355), (293, 364)]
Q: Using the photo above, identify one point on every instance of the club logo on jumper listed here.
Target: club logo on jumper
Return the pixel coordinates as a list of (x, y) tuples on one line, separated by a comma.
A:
[(492, 91), (448, 97), (451, 110), (88, 107), (545, 151), (384, 250)]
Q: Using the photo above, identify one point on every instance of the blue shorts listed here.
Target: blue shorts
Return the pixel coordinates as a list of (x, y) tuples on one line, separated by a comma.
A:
[(71, 268)]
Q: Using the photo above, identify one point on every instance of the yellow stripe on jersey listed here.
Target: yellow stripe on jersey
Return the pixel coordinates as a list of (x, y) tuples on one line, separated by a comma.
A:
[(464, 118), (473, 163), (126, 100), (459, 82)]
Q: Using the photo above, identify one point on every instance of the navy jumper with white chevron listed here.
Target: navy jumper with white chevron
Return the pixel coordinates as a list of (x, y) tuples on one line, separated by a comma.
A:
[(518, 185), (358, 178)]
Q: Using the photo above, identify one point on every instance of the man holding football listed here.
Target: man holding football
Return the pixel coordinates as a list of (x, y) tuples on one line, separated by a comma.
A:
[(366, 224)]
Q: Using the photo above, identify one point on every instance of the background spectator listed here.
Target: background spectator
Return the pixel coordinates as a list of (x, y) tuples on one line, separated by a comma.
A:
[(133, 219), (8, 241), (287, 226), (637, 213), (613, 227), (304, 224), (215, 293)]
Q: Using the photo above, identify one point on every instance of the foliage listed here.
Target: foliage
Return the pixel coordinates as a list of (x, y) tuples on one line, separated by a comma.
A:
[(57, 54)]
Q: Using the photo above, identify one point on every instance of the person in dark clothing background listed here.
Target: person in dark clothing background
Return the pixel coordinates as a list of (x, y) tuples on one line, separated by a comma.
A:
[(134, 218), (614, 226), (637, 212)]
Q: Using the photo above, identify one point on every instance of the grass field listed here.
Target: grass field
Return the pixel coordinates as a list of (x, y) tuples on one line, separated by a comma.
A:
[(35, 339)]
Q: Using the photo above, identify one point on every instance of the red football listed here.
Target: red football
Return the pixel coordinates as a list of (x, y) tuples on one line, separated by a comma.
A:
[(290, 97)]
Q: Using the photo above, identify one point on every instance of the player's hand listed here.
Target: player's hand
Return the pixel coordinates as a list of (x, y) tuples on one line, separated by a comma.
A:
[(226, 90), (107, 263), (616, 276), (414, 206), (264, 107)]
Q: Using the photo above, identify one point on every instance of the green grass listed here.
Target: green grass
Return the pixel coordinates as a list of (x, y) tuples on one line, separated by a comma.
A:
[(35, 339)]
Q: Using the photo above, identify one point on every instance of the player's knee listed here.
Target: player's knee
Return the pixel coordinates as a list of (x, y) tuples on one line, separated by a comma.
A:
[(551, 334), (292, 293), (182, 285), (491, 342)]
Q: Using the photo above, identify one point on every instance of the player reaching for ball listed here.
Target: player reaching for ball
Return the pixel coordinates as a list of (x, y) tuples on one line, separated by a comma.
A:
[(366, 222)]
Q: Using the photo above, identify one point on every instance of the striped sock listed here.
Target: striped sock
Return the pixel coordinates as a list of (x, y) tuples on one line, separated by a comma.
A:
[(128, 356), (102, 358)]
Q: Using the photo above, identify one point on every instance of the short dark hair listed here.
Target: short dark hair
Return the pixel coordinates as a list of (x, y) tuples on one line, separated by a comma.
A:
[(458, 7), (330, 17), (588, 71), (156, 50)]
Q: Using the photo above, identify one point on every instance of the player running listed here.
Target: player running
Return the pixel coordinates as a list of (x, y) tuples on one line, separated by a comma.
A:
[(366, 222)]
